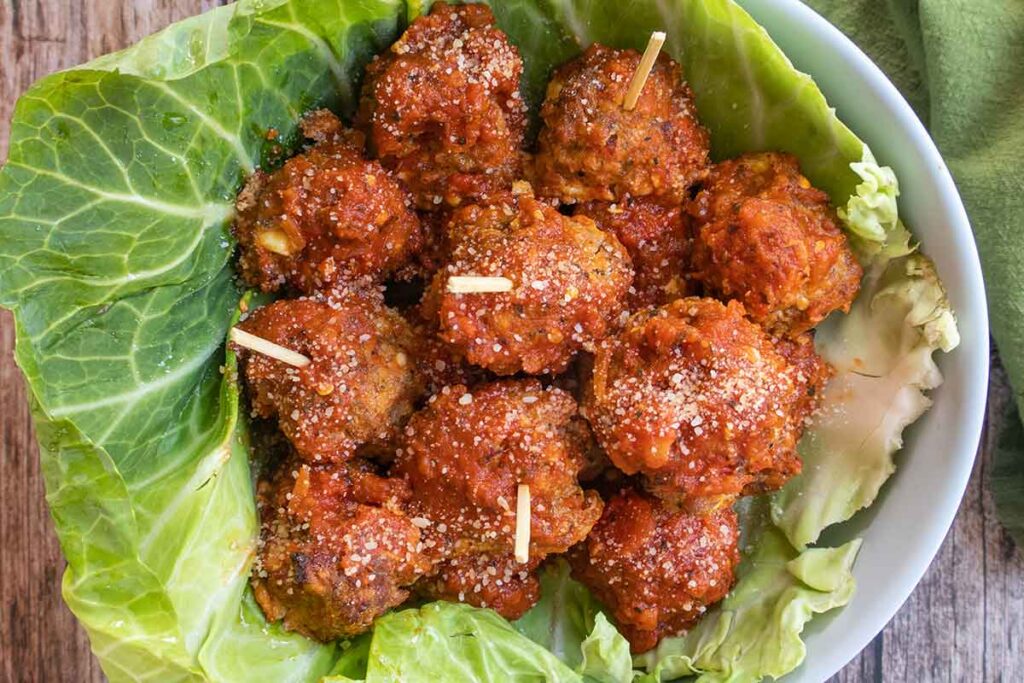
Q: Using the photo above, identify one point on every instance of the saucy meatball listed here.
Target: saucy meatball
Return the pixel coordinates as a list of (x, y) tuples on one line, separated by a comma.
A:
[(570, 282), (655, 567), (809, 370), (656, 235), (441, 365), (360, 385), (465, 454), (442, 107), (590, 147), (771, 241), (430, 257), (696, 398), (464, 457), (335, 550), (325, 216), (494, 580)]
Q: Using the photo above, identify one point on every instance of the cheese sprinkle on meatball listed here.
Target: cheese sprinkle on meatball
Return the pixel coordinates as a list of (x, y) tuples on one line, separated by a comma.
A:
[(570, 285), (697, 399), (771, 241), (336, 549), (591, 148), (360, 386), (327, 216), (442, 107), (656, 568), (465, 456)]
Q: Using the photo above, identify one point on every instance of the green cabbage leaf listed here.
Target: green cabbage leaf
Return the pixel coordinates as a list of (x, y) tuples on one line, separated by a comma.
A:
[(114, 208), (115, 256), (882, 355), (569, 623), (445, 641), (564, 637)]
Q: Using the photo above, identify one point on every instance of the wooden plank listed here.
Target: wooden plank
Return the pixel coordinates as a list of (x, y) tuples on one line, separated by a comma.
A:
[(39, 639), (865, 667), (1003, 565), (965, 621), (939, 632)]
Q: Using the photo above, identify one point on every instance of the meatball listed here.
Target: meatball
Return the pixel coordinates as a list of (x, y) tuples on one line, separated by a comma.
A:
[(465, 454), (335, 550), (590, 147), (570, 282), (442, 107), (325, 216), (696, 398), (655, 567), (360, 386), (809, 370), (656, 235), (771, 241), (494, 580), (441, 365), (433, 250), (438, 363)]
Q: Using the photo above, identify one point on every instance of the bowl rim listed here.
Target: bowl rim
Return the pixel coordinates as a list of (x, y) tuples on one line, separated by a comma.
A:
[(973, 355)]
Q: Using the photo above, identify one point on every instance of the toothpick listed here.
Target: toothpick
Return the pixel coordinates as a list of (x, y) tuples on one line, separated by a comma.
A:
[(522, 548), (469, 284), (643, 70), (267, 348)]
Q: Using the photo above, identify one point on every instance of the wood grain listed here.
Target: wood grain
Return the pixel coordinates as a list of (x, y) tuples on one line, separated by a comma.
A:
[(964, 622), (39, 639)]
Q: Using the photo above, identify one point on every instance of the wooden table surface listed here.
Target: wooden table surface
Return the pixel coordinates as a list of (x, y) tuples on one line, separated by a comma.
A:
[(964, 622)]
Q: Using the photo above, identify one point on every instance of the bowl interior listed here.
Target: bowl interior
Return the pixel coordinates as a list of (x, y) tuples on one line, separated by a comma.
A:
[(905, 527)]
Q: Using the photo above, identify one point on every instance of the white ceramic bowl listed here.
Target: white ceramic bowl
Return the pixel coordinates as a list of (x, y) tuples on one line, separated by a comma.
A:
[(903, 530)]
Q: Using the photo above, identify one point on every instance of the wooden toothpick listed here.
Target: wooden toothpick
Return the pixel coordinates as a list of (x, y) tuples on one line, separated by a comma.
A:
[(267, 348), (643, 70), (468, 284), (522, 545)]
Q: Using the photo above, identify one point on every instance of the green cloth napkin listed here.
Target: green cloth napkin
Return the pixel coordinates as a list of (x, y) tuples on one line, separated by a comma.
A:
[(960, 64)]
